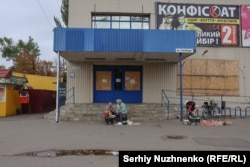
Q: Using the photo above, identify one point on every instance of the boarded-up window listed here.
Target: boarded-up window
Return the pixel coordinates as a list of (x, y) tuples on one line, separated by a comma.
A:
[(209, 77), (103, 80), (132, 80)]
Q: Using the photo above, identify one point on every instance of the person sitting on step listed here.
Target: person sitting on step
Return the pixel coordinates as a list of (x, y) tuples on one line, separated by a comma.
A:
[(121, 111), (109, 113)]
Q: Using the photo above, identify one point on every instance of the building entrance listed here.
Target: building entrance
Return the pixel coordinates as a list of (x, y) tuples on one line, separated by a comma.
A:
[(117, 82)]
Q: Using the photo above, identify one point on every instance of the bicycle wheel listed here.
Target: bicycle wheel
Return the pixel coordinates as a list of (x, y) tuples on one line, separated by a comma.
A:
[(205, 112)]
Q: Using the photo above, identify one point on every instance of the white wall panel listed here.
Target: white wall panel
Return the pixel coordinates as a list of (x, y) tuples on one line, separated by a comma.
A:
[(155, 78), (80, 10), (82, 81)]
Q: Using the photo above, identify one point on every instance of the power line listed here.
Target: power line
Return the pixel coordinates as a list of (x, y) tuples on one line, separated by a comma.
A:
[(44, 13)]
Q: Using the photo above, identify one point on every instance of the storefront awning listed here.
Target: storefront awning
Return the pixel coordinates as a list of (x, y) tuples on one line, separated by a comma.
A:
[(80, 44), (7, 78), (5, 73)]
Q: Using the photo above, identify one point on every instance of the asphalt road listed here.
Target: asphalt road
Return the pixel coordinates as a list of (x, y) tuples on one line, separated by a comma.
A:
[(23, 134)]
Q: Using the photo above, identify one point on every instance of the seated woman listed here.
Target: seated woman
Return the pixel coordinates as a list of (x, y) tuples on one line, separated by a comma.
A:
[(191, 107), (109, 113), (121, 111)]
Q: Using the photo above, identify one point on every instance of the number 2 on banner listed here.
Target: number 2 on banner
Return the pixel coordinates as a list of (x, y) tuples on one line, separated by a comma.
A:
[(228, 35)]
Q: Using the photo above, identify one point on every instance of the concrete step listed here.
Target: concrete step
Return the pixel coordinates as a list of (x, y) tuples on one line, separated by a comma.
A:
[(93, 111)]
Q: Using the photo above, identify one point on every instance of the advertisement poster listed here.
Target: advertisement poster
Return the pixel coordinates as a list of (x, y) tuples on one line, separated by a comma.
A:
[(215, 25), (245, 19), (62, 94)]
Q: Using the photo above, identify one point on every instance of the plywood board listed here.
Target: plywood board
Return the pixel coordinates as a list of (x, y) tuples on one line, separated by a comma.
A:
[(210, 77), (215, 92), (231, 68), (185, 92), (215, 83), (216, 67), (103, 80), (231, 93), (186, 82), (199, 67), (199, 92), (231, 83), (132, 80), (192, 92), (199, 82)]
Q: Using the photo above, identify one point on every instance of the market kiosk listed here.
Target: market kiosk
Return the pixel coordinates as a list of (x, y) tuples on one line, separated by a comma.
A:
[(10, 87)]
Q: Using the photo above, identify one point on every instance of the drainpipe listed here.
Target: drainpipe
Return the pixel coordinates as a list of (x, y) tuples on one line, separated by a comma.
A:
[(181, 110)]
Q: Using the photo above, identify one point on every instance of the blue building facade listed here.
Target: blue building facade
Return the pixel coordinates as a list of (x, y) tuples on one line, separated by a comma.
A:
[(113, 54)]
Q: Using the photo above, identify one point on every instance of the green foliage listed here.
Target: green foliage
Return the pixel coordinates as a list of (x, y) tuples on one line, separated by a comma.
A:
[(64, 14), (30, 47), (24, 56), (11, 50), (57, 22), (8, 48)]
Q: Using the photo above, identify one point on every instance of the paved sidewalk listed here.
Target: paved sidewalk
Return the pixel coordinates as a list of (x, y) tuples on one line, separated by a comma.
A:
[(31, 133)]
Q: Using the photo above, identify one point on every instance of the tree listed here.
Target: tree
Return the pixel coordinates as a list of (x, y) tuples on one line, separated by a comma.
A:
[(23, 54), (63, 68), (10, 50), (25, 57), (25, 63), (64, 14), (45, 68), (64, 17)]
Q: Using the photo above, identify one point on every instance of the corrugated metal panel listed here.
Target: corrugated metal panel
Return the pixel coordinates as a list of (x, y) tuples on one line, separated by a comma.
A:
[(40, 101), (118, 40), (82, 81), (168, 41), (107, 40), (59, 36), (155, 78)]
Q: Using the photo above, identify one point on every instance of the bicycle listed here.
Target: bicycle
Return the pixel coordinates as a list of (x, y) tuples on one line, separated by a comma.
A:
[(208, 109)]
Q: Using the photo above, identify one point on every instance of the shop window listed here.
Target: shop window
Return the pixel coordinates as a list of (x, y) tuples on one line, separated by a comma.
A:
[(120, 22)]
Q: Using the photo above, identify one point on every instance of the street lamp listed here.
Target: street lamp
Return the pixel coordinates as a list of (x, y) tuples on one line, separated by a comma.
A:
[(204, 52)]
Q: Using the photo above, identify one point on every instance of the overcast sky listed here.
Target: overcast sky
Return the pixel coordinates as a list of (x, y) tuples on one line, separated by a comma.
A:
[(20, 19)]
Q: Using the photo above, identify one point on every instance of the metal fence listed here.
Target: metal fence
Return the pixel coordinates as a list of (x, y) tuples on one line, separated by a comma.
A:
[(228, 106)]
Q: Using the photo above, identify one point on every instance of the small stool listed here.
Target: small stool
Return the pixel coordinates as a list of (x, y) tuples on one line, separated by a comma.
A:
[(194, 120)]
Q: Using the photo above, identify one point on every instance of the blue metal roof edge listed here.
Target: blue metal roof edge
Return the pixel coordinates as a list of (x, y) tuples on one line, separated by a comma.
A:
[(122, 40)]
